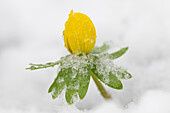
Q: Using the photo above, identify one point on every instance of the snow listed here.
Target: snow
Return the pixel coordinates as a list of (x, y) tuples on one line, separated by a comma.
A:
[(31, 32), (154, 101), (105, 66), (77, 63)]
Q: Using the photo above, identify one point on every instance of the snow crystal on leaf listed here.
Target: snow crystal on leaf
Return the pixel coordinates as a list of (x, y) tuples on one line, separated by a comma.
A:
[(76, 63), (60, 79), (105, 66)]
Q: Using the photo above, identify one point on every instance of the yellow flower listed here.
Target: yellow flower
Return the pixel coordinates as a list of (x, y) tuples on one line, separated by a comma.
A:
[(79, 33)]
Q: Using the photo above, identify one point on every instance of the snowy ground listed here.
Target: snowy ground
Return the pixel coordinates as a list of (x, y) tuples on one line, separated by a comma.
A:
[(31, 31)]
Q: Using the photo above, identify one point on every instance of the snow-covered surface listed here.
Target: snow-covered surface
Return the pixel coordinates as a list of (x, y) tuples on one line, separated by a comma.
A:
[(31, 31)]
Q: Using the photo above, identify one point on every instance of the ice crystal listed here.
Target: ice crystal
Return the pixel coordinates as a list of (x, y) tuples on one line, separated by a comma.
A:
[(76, 63), (105, 66)]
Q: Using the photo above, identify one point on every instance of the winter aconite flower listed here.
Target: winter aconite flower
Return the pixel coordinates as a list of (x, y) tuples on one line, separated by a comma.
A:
[(79, 33), (84, 63)]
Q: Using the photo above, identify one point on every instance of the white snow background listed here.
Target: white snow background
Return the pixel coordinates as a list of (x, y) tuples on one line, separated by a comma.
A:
[(31, 32)]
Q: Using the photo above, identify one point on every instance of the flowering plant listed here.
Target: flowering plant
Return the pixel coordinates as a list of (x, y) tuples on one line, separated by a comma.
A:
[(84, 62)]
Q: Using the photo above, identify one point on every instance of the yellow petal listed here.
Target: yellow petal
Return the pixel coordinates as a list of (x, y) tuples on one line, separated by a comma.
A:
[(79, 33)]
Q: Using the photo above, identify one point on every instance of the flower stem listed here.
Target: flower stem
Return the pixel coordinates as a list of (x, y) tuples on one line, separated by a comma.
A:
[(100, 87)]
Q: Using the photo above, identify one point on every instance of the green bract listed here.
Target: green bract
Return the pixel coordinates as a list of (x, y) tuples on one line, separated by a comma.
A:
[(75, 71)]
